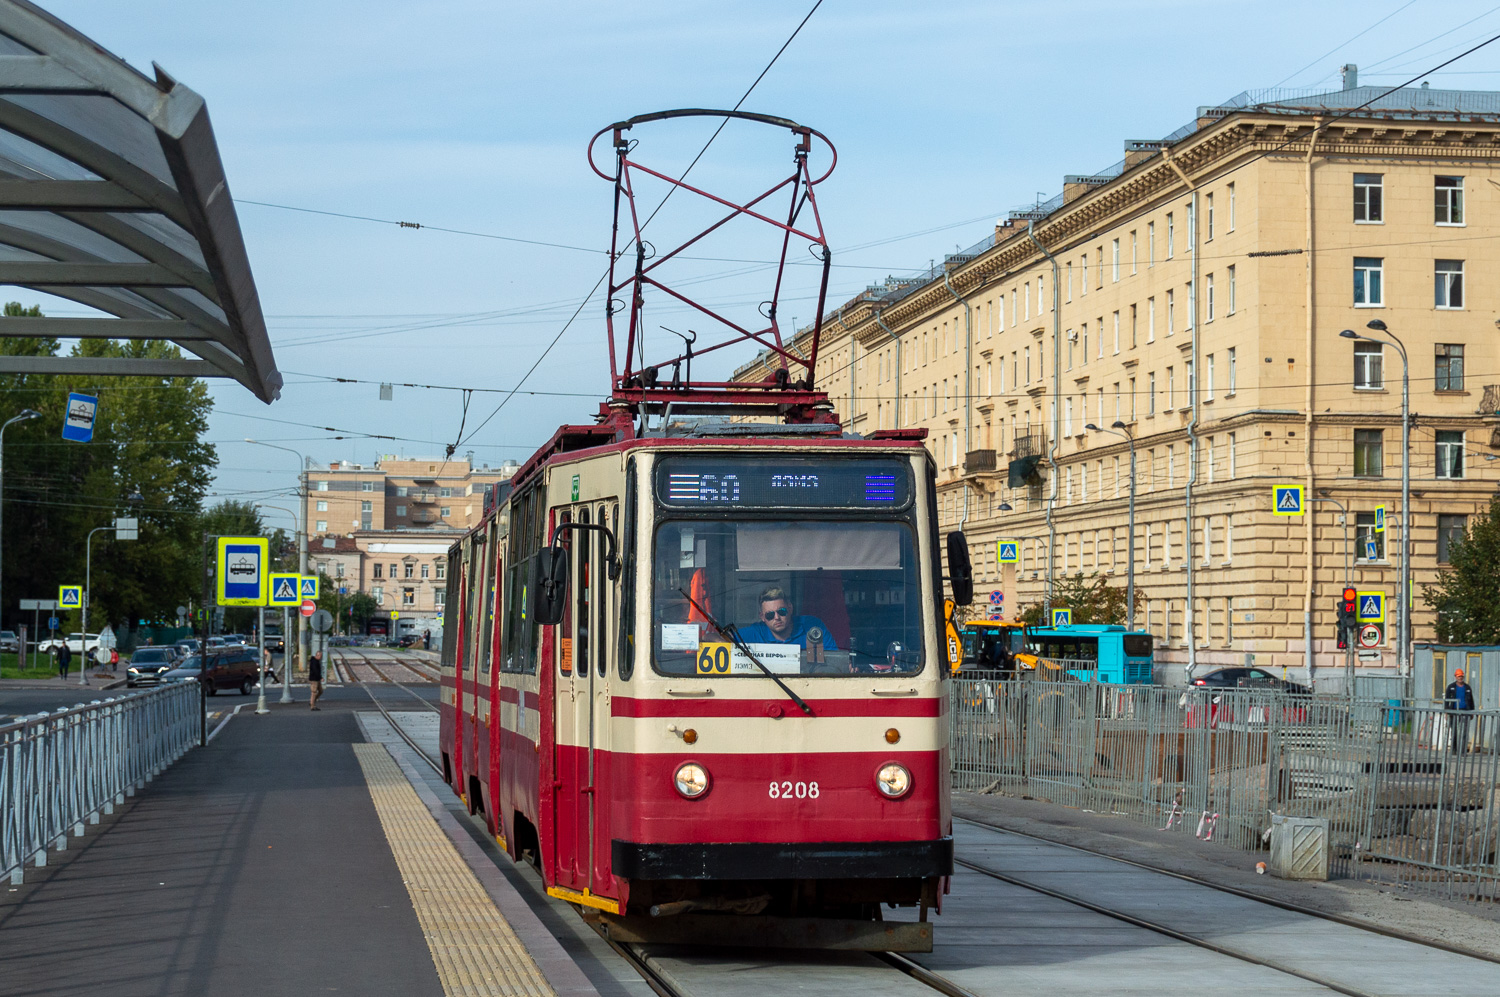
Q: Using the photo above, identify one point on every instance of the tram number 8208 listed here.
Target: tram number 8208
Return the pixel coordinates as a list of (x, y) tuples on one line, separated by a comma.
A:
[(791, 790)]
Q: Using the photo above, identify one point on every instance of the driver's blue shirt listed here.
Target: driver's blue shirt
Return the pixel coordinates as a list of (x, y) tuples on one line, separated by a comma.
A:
[(760, 633)]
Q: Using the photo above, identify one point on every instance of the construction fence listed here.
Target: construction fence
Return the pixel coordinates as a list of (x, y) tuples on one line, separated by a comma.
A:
[(1411, 792)]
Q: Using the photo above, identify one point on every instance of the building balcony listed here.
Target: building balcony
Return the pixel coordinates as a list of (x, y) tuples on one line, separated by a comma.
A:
[(422, 497), (978, 461), (1030, 445), (425, 517)]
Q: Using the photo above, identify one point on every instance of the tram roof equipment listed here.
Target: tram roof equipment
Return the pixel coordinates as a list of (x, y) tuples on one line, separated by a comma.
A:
[(113, 195)]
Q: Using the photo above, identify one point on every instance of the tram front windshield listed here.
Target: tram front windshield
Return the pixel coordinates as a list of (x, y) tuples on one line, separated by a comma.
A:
[(804, 597)]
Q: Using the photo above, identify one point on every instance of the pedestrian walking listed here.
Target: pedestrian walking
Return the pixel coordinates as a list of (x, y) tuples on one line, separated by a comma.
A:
[(1458, 699), (64, 659), (426, 640), (315, 678)]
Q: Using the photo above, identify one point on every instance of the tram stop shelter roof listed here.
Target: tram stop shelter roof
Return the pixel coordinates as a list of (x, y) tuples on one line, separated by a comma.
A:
[(112, 194)]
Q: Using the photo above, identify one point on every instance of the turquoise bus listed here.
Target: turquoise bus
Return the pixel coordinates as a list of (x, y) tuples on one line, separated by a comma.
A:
[(1095, 652)]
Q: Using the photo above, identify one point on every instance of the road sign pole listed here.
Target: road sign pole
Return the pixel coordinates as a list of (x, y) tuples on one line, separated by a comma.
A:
[(260, 659), (286, 656)]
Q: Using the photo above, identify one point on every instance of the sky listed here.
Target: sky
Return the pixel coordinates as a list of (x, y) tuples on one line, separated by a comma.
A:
[(475, 117)]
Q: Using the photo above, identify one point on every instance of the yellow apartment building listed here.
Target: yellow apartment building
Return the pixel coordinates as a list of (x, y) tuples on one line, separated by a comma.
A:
[(398, 493), (1194, 294)]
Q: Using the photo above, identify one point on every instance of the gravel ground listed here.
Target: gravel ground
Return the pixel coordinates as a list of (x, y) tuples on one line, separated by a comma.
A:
[(1472, 926)]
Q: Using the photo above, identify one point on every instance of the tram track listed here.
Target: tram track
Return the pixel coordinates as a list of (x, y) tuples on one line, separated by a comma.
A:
[(1286, 905)]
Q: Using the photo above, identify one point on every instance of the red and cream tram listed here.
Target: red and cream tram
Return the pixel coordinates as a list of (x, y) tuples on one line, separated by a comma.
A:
[(697, 672)]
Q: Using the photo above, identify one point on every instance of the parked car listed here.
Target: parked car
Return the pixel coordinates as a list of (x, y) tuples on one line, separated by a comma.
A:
[(1247, 678), (232, 668), (9, 641), (74, 641), (148, 664)]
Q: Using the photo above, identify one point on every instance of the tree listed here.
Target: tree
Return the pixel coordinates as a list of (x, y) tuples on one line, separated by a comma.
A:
[(1464, 596), (147, 459), (1091, 598)]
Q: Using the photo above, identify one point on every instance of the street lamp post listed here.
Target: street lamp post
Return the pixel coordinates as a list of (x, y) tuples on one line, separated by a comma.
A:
[(286, 616), (1119, 428), (22, 416), (302, 630), (88, 594), (1403, 631)]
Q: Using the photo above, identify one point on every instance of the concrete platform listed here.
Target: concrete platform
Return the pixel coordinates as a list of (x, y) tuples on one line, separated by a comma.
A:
[(289, 856)]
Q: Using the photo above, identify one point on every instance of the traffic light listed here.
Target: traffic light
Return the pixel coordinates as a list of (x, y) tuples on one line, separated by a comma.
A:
[(1348, 617)]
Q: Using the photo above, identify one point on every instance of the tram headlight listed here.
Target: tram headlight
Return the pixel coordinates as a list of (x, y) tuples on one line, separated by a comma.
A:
[(893, 781), (691, 780)]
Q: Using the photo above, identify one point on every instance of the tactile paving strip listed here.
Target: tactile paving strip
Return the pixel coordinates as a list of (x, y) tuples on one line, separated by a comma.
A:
[(475, 951)]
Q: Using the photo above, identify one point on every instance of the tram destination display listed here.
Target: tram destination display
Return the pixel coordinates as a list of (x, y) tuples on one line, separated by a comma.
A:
[(783, 483)]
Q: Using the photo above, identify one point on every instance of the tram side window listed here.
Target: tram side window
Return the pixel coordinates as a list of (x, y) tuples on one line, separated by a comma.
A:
[(451, 618), (515, 590), (809, 597), (565, 645), (581, 584), (520, 623), (487, 597)]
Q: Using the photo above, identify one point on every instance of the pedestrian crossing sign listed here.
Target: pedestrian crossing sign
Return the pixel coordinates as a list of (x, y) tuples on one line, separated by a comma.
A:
[(1380, 519), (1007, 551), (286, 589), (1288, 500), (1062, 617), (1371, 607), (69, 596), (309, 586)]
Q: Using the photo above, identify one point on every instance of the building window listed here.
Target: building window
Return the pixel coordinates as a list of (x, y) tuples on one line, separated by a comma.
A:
[(1208, 287), (425, 569), (1451, 530), (408, 572), (1232, 441), (1171, 314), (1209, 235), (1231, 212), (1171, 230), (377, 592), (1448, 284), (445, 493), (1117, 335), (1232, 371), (322, 505), (1132, 251), (1150, 244), (322, 486), (1132, 399), (366, 506), (1151, 393), (1364, 535), (401, 491), (1208, 377), (322, 525), (1171, 389), (445, 511), (367, 486), (1151, 320), (1369, 287), (1369, 207), (1448, 198), (1114, 250), (1450, 367), (1450, 453), (1368, 462), (408, 597), (439, 598), (1230, 309), (392, 572), (400, 510), (1369, 366), (376, 572)]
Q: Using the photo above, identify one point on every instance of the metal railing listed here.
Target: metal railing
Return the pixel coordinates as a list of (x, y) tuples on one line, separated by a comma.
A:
[(62, 770), (1400, 803)]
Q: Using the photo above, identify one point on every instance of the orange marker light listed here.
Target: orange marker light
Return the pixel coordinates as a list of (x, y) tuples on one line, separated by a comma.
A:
[(690, 736), (892, 736)]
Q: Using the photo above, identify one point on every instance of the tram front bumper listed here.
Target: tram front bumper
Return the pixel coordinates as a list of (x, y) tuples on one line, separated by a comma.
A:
[(784, 860)]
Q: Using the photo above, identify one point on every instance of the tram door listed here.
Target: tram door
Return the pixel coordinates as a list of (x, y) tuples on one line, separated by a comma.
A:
[(580, 687)]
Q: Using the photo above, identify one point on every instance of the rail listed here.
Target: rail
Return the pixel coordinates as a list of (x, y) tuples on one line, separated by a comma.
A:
[(64, 769), (1411, 792)]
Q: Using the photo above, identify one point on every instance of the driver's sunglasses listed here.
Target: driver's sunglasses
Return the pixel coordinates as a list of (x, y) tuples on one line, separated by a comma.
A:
[(782, 612)]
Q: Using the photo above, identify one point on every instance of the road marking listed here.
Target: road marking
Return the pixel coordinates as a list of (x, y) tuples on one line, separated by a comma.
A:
[(473, 947)]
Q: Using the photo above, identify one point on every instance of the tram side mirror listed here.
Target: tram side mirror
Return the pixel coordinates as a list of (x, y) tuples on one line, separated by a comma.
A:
[(551, 585), (960, 571)]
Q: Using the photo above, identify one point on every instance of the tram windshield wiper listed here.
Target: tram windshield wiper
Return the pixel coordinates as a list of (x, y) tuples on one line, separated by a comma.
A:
[(732, 632)]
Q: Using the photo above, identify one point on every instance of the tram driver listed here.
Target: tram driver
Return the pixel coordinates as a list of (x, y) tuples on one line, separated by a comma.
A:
[(780, 624)]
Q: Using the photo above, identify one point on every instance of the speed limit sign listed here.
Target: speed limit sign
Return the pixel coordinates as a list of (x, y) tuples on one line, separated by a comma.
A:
[(1369, 635)]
